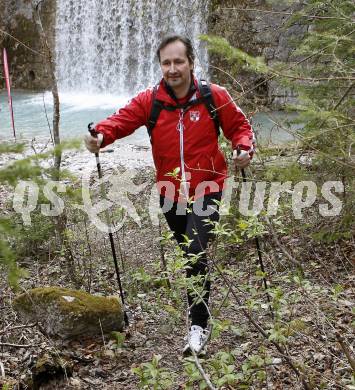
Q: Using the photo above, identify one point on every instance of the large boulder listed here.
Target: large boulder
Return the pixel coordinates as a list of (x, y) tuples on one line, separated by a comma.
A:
[(66, 313)]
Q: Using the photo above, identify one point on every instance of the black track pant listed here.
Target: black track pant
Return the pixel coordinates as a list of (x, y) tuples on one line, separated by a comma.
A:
[(194, 226)]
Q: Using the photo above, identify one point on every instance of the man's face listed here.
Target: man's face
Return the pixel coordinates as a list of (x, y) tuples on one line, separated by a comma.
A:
[(175, 65)]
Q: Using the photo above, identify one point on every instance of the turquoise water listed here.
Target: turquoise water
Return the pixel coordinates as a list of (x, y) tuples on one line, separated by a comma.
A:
[(77, 110)]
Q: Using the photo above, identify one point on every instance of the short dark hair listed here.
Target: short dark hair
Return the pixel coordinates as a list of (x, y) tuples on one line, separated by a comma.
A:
[(186, 41)]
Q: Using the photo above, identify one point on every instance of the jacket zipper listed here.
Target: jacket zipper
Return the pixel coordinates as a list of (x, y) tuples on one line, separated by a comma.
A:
[(180, 128)]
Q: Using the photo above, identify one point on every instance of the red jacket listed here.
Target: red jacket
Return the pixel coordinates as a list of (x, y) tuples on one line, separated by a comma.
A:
[(192, 148)]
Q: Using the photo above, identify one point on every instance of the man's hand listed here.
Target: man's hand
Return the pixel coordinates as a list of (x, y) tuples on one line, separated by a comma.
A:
[(93, 143), (241, 160)]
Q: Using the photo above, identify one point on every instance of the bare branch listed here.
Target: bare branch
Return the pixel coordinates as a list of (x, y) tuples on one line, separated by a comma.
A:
[(19, 345), (229, 75), (17, 327), (264, 11), (202, 372), (2, 370), (21, 43), (346, 350), (311, 78), (346, 93)]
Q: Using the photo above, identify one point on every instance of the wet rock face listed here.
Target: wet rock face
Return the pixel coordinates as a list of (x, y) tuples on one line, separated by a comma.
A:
[(27, 67), (68, 314), (259, 34)]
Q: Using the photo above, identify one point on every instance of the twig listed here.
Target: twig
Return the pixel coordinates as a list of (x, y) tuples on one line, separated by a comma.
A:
[(45, 111), (102, 333), (278, 243), (201, 370), (285, 13), (90, 255), (311, 78), (21, 43), (2, 370), (282, 247), (344, 96), (19, 345), (17, 327), (218, 310), (346, 350), (229, 75), (162, 255)]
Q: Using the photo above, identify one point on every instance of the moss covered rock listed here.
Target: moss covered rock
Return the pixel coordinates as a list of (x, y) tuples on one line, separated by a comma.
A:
[(66, 313)]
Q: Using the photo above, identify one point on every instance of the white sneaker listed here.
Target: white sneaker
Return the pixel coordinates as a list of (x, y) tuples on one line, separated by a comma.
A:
[(197, 340)]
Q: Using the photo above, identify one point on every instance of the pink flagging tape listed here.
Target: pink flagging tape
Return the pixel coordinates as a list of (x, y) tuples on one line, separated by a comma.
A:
[(7, 81)]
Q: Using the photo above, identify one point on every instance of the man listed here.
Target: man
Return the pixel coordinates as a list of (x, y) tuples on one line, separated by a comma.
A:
[(189, 164)]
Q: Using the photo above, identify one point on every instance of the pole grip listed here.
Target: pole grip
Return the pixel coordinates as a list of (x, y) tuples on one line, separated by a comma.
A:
[(91, 130), (242, 169), (94, 133)]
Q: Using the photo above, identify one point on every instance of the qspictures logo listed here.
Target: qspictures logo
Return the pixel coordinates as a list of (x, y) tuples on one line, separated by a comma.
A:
[(114, 191)]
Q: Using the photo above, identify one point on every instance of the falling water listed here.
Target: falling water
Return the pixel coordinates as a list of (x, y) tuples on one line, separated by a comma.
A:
[(109, 45)]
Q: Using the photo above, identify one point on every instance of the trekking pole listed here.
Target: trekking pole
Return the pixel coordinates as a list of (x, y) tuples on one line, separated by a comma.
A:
[(93, 133), (258, 249)]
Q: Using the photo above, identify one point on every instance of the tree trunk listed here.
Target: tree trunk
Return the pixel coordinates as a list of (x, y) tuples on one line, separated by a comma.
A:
[(54, 87), (60, 221)]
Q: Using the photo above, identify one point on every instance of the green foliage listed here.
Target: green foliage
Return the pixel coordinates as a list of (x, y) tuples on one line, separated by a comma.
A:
[(7, 256), (251, 227), (328, 235), (11, 148), (292, 172), (154, 377), (325, 103), (219, 326), (9, 175), (174, 173), (234, 55), (18, 240), (223, 370), (19, 170), (119, 339), (141, 276), (30, 239)]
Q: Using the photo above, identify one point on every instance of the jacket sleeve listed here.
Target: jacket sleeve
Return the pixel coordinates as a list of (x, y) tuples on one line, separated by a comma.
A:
[(127, 119), (234, 123)]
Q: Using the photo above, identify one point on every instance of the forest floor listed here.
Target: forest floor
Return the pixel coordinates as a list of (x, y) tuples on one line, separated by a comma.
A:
[(318, 309)]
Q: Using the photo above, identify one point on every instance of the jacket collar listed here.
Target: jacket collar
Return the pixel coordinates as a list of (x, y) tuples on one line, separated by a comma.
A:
[(166, 94)]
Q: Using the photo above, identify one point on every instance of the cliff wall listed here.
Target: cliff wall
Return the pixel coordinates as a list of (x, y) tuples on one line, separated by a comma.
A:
[(259, 31), (27, 67)]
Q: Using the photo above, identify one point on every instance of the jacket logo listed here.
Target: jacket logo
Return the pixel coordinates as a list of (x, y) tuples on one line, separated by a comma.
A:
[(194, 116)]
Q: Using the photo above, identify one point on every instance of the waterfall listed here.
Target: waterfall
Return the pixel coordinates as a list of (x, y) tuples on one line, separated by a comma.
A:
[(109, 45)]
